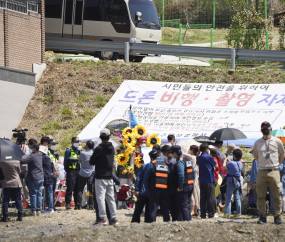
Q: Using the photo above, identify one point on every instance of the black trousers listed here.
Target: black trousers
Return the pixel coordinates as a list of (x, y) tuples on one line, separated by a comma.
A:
[(141, 202), (72, 179), (81, 184), (158, 197), (15, 194), (184, 201), (175, 214), (207, 199)]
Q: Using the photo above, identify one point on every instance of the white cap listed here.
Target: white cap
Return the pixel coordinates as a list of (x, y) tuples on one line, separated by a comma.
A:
[(105, 132), (43, 149)]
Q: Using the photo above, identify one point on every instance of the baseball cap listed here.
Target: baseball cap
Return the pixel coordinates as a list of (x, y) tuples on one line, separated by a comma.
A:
[(105, 132), (175, 148), (51, 141), (75, 139), (266, 123)]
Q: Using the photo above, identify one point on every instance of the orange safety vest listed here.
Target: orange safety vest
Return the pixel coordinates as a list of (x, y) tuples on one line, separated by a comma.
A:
[(188, 171), (159, 178)]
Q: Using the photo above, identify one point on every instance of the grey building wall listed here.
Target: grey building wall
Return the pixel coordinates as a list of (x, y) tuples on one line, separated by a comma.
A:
[(16, 90)]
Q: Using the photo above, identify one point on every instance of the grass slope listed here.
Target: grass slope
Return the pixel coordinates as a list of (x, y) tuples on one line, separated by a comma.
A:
[(69, 95)]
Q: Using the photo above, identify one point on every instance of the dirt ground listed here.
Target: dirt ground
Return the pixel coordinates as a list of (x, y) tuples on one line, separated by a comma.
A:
[(74, 225)]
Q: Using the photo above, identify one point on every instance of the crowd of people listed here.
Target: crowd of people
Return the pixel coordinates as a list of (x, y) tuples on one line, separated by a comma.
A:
[(181, 183)]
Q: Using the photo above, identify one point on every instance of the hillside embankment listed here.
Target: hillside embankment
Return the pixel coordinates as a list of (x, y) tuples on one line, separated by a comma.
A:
[(70, 94)]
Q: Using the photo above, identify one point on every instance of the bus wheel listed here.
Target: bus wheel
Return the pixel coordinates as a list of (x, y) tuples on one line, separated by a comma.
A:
[(108, 55), (136, 59)]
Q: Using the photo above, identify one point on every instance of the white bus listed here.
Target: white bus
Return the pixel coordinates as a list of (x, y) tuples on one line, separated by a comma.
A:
[(134, 21)]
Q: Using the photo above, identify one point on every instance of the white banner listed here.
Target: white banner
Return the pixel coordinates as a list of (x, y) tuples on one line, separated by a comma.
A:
[(193, 109)]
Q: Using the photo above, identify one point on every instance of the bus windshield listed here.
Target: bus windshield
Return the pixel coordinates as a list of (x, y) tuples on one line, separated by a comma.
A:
[(149, 13)]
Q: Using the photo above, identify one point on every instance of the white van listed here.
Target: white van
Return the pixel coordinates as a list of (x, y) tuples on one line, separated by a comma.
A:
[(134, 21)]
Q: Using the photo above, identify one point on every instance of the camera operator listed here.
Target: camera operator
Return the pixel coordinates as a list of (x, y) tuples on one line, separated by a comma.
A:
[(20, 135)]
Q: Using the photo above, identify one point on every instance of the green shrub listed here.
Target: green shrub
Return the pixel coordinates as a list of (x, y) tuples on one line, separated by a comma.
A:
[(82, 98), (47, 99), (100, 101), (248, 30), (66, 112)]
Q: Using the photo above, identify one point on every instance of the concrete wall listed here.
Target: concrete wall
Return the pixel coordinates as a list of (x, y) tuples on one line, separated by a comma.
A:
[(16, 90), (1, 38)]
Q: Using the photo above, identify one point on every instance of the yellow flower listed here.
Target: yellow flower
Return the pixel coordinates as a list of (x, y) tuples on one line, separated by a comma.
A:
[(130, 169), (140, 131), (127, 130), (152, 140), (129, 150), (124, 171), (122, 159), (129, 140), (138, 161)]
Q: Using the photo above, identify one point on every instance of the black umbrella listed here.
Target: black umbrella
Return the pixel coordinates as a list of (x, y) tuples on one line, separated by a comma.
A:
[(9, 150), (203, 139), (227, 134)]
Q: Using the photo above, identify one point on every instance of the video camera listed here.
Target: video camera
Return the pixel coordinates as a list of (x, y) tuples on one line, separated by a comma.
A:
[(20, 134)]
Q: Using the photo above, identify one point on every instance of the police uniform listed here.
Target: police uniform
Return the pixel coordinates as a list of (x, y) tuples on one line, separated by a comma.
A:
[(157, 173), (173, 184), (185, 177), (72, 168)]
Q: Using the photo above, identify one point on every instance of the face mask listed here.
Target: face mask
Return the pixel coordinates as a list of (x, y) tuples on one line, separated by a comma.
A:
[(165, 157), (76, 145), (143, 145), (265, 131), (53, 147)]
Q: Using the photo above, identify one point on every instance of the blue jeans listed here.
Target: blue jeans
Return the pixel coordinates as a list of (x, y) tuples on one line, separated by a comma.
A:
[(36, 194), (231, 189), (49, 196)]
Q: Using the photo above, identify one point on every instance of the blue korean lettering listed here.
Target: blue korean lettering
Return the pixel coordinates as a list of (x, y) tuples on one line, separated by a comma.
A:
[(129, 97)]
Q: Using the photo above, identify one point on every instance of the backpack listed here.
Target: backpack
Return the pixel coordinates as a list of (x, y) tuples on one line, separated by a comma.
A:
[(56, 172)]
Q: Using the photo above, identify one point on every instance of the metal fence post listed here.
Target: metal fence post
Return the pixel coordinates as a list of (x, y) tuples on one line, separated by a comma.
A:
[(162, 22), (180, 37), (265, 9), (127, 51), (266, 47), (233, 58), (214, 14), (212, 44)]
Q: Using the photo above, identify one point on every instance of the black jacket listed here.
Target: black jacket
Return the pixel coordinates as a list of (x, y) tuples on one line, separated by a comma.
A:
[(48, 169), (103, 159)]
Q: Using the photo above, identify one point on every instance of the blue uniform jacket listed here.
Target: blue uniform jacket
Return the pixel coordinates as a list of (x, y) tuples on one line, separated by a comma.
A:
[(141, 185), (150, 168), (67, 155), (181, 171), (253, 173), (282, 176)]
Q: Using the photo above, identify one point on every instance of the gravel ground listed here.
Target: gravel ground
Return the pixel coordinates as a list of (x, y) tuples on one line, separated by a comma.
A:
[(77, 226)]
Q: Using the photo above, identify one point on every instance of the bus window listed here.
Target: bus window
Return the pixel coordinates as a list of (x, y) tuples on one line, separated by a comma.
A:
[(116, 10), (78, 12), (68, 12), (53, 8), (91, 10)]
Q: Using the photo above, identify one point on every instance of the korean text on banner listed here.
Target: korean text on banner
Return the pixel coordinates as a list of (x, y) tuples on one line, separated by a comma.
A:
[(193, 109)]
